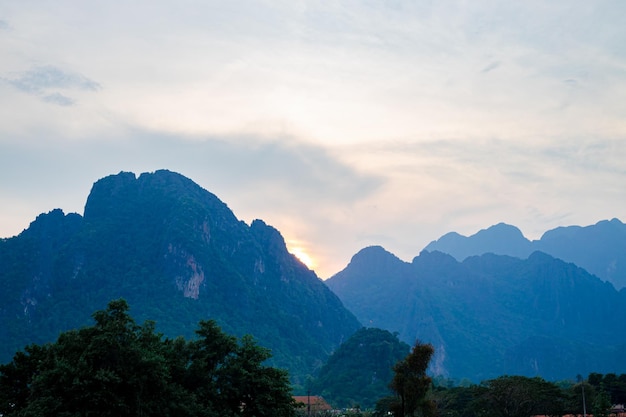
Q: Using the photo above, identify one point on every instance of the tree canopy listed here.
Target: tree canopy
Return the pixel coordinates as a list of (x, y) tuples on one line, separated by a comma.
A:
[(358, 373), (119, 368), (410, 383)]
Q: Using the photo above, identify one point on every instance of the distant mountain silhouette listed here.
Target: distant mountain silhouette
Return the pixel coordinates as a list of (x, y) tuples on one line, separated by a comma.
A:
[(600, 248), (178, 255), (491, 315)]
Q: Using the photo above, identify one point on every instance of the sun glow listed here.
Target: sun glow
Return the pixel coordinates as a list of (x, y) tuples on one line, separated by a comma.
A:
[(303, 257)]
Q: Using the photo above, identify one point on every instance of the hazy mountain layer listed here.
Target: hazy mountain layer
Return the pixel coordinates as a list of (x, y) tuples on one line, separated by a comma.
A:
[(491, 315), (177, 254), (600, 248)]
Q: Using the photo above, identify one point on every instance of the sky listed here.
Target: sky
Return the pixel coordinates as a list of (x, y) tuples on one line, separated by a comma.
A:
[(344, 124)]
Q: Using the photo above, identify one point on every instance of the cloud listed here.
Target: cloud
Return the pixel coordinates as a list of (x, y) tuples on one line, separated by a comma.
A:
[(45, 81), (490, 67), (341, 123), (255, 172), (58, 98), (303, 189), (463, 185)]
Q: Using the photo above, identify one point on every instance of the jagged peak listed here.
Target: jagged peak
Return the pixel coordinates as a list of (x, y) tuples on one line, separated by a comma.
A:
[(267, 234), (121, 191), (55, 218)]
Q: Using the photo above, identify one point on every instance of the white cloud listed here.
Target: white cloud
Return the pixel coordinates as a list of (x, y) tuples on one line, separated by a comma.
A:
[(342, 123)]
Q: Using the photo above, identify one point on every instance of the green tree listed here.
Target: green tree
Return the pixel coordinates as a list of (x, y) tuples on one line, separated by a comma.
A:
[(113, 368), (411, 384), (520, 396), (601, 404), (118, 368), (16, 378), (579, 397), (454, 401)]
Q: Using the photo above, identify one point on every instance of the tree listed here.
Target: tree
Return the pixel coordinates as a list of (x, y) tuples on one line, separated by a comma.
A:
[(113, 368), (520, 396), (601, 404), (410, 382), (454, 401), (580, 397), (16, 378), (118, 368)]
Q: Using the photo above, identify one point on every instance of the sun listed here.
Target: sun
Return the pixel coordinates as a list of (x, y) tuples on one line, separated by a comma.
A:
[(303, 257)]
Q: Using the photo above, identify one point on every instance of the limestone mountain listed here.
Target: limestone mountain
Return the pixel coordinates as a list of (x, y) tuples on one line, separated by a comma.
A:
[(178, 255), (491, 315), (599, 248)]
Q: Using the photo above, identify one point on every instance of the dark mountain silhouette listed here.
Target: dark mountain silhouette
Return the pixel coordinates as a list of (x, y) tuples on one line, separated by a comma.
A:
[(491, 315), (599, 248), (178, 255)]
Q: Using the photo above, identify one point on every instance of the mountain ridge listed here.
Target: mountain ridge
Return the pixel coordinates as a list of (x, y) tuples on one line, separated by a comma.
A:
[(492, 315), (598, 248)]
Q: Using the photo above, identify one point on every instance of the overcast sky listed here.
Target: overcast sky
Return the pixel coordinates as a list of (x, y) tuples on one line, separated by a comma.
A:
[(343, 124)]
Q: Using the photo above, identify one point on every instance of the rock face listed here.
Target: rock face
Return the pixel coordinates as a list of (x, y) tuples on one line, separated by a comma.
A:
[(491, 315), (178, 255)]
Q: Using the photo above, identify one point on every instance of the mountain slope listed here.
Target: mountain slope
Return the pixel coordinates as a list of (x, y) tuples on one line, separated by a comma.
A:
[(178, 255), (599, 248), (492, 314)]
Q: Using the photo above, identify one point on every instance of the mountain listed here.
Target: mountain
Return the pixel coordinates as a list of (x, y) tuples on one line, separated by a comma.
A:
[(491, 315), (178, 255), (599, 248)]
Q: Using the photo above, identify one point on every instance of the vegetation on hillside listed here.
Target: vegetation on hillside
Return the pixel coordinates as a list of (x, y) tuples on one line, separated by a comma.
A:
[(359, 372), (178, 255), (118, 368), (412, 392)]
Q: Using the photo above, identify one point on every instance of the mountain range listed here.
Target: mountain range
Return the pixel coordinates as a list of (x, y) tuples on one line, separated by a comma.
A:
[(599, 248), (491, 315), (178, 255), (497, 304)]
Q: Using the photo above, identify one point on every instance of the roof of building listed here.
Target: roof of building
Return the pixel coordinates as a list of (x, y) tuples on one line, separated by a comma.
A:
[(317, 402)]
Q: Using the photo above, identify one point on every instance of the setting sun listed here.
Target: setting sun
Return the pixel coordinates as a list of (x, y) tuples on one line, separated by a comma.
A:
[(303, 257)]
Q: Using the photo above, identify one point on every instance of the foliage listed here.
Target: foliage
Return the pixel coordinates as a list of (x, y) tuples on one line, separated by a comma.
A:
[(411, 384), (601, 405), (614, 385), (360, 370), (519, 396), (118, 368), (523, 396)]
